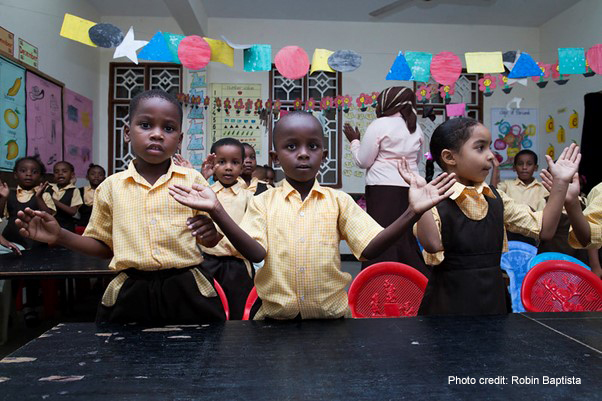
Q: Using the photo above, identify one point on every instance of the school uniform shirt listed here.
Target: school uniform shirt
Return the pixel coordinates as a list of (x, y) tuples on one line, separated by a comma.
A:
[(385, 142), (533, 194), (144, 225), (58, 193), (25, 195), (302, 270), (252, 187), (518, 218), (593, 215), (88, 198)]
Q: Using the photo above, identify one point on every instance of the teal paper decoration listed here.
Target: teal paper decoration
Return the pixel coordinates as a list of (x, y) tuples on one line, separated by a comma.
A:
[(258, 58), (571, 60), (420, 65), (525, 67), (156, 50), (400, 70)]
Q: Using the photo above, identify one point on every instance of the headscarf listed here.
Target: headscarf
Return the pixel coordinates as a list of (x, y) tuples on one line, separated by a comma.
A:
[(398, 99)]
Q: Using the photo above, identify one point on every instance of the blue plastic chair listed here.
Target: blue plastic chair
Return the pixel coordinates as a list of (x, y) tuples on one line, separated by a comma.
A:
[(516, 264), (542, 257)]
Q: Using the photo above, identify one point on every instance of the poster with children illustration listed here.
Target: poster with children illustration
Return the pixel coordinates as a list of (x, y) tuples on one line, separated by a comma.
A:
[(12, 108), (513, 130), (44, 120), (78, 131)]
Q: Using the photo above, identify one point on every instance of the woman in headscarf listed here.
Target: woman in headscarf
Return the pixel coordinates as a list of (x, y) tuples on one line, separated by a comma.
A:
[(393, 135)]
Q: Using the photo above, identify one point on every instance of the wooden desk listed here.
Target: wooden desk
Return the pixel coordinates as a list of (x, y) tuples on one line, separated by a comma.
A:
[(368, 359)]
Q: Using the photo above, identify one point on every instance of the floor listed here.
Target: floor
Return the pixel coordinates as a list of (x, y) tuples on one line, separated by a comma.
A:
[(19, 334)]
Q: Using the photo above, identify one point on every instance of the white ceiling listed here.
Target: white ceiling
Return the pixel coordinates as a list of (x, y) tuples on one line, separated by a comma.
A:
[(524, 13)]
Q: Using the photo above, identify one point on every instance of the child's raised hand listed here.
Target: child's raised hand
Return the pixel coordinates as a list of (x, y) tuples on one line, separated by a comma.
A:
[(179, 160), (567, 164), (4, 190), (350, 133), (546, 179), (38, 225), (208, 166), (41, 188), (204, 229), (423, 196), (198, 197), (573, 191)]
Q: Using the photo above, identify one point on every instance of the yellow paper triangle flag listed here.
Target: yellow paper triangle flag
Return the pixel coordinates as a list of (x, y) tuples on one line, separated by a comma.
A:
[(319, 61), (76, 28), (221, 52)]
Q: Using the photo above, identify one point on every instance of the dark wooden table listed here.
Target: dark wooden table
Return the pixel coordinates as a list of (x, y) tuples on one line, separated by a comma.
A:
[(371, 359)]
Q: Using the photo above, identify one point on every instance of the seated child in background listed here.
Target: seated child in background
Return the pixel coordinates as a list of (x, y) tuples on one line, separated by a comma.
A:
[(234, 274), (262, 184), (270, 175), (143, 229), (464, 236), (65, 195), (249, 166), (296, 228), (96, 175), (524, 189)]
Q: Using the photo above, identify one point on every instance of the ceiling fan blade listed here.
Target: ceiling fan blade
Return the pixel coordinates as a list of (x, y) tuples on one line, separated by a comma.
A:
[(388, 7)]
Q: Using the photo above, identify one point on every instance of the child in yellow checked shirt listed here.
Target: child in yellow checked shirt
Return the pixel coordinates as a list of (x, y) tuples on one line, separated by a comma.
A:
[(296, 228), (145, 232)]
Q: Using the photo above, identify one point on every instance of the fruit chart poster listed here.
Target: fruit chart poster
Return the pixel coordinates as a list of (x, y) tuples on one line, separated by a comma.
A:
[(44, 120), (512, 131), (78, 131), (12, 109)]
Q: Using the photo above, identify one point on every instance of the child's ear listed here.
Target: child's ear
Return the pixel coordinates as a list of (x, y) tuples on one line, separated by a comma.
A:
[(126, 133), (274, 157), (448, 157)]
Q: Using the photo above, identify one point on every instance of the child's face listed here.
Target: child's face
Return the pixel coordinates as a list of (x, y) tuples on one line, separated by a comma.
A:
[(154, 132), (28, 174), (269, 177), (300, 149), (62, 174), (525, 167), (250, 162), (473, 161), (228, 164), (96, 175)]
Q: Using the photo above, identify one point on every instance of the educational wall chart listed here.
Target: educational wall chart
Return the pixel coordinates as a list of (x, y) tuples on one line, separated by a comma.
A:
[(512, 131), (240, 121), (353, 176), (78, 131), (195, 121), (44, 120), (12, 108)]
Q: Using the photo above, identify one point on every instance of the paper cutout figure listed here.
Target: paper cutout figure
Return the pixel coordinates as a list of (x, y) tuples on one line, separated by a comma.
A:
[(550, 124), (525, 67), (541, 80), (36, 93), (504, 83), (345, 61), (173, 42), (319, 61), (196, 128), (574, 120), (400, 70), (196, 112), (510, 58), (559, 79), (221, 52), (76, 28), (571, 60), (128, 47), (196, 159), (258, 58), (195, 143), (156, 50), (484, 62), (105, 35), (198, 80), (423, 93), (594, 58), (446, 68), (234, 45), (456, 109), (420, 65), (194, 52), (487, 85), (292, 62)]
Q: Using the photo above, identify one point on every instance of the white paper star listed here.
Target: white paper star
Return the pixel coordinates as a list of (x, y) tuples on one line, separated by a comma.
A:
[(128, 47)]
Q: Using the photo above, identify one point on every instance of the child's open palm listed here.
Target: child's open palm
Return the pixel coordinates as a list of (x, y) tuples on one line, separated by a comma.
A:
[(208, 166), (4, 191), (567, 164), (198, 197), (38, 225), (573, 191), (423, 196)]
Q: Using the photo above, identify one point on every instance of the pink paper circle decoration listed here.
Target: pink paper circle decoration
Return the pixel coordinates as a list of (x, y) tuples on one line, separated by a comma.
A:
[(292, 62), (446, 68), (594, 58), (194, 52)]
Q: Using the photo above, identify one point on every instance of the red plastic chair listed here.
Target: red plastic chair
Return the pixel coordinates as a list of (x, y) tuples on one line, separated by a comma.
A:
[(387, 289), (222, 297), (251, 299), (561, 286)]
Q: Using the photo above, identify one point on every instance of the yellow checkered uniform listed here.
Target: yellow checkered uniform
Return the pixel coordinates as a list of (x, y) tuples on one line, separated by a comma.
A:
[(533, 194), (593, 214), (58, 193)]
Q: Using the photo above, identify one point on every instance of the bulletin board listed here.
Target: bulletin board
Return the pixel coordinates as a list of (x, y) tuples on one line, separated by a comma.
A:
[(354, 178), (512, 131), (13, 142), (78, 131), (195, 122)]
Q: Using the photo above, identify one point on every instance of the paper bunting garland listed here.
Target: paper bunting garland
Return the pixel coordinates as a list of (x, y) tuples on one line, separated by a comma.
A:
[(345, 61), (420, 65), (221, 52), (194, 52), (484, 62), (234, 45), (292, 62), (541, 80), (525, 67), (571, 60), (173, 41), (559, 79), (127, 48), (76, 28), (258, 58), (105, 35), (594, 58), (400, 70), (446, 68), (319, 61), (487, 85), (156, 50)]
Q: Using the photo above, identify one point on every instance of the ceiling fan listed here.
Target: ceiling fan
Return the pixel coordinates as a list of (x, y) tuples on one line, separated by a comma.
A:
[(429, 3)]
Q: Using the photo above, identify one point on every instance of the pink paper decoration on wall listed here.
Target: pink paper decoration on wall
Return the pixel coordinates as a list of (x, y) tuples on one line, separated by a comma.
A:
[(446, 68), (594, 58), (292, 62), (194, 52)]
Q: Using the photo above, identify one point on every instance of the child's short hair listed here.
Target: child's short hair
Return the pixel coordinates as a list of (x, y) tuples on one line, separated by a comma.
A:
[(149, 94), (228, 141), (294, 113), (35, 159), (69, 165), (269, 168), (260, 172), (92, 165), (525, 152), (248, 145), (451, 134)]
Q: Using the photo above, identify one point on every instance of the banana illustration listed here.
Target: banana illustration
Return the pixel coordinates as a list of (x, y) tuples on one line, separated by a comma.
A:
[(11, 118), (15, 88), (12, 149)]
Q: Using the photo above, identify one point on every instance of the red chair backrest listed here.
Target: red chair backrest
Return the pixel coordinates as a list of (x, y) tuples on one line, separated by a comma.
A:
[(249, 304), (561, 286), (222, 297), (387, 289)]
